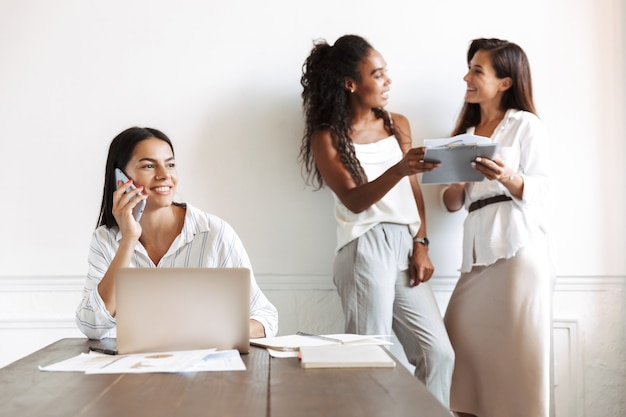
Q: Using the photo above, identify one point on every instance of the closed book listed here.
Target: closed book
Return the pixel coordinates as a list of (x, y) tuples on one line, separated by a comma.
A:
[(345, 356)]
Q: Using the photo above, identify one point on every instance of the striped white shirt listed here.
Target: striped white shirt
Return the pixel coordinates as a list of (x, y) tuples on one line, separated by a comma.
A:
[(206, 241)]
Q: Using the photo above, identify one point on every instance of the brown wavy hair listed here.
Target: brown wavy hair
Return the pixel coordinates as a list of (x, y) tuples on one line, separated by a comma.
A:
[(508, 60)]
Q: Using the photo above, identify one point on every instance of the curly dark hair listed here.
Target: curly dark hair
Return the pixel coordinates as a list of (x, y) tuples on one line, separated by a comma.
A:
[(508, 60), (326, 105)]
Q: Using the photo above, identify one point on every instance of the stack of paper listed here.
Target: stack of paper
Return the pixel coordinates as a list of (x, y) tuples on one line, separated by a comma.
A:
[(345, 356)]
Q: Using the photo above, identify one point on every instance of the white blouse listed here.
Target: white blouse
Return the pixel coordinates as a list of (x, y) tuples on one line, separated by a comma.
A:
[(206, 241), (499, 230)]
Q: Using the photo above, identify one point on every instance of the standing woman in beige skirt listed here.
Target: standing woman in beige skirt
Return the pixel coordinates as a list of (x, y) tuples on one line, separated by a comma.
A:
[(499, 315)]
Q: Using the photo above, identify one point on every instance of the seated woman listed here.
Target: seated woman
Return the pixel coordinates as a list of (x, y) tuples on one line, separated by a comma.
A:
[(168, 234)]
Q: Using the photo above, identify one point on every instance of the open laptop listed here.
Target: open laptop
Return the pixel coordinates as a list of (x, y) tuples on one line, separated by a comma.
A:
[(164, 309)]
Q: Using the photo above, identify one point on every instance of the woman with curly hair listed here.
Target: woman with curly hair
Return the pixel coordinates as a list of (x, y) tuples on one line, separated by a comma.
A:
[(364, 154)]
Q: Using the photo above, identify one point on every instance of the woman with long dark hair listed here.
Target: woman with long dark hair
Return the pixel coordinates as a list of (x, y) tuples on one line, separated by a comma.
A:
[(499, 315), (364, 154), (168, 234)]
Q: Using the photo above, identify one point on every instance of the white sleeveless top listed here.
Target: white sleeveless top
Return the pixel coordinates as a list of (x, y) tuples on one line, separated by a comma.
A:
[(397, 206)]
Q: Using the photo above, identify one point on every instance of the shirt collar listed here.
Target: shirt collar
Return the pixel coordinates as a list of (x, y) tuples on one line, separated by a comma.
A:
[(194, 224)]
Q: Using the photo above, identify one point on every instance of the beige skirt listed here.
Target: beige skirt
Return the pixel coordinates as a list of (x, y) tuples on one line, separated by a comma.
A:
[(499, 320)]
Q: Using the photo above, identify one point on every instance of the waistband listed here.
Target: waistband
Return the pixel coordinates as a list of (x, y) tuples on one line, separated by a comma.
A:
[(486, 201)]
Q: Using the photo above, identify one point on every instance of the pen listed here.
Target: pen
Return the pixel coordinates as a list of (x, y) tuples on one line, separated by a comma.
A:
[(317, 336), (103, 350)]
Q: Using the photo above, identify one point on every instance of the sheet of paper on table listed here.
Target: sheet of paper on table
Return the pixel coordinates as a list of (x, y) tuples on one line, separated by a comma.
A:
[(156, 362)]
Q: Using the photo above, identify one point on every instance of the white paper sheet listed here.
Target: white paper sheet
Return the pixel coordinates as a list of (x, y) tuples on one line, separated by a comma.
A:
[(280, 354), (463, 139), (158, 362)]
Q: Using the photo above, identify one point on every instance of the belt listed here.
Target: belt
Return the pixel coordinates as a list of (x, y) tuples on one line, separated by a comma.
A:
[(486, 201)]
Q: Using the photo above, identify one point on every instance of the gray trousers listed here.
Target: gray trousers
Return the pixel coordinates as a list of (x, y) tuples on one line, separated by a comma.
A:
[(372, 278)]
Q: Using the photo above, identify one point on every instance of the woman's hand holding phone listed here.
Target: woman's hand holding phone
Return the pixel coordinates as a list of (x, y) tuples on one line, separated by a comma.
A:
[(138, 207), (128, 205)]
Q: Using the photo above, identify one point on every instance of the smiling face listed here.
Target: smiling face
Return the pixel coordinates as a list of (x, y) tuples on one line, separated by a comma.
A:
[(152, 165), (372, 90), (483, 86)]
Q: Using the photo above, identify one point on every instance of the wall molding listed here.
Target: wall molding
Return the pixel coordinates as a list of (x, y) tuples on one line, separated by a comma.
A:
[(37, 323), (574, 365), (15, 285), (38, 283), (41, 283)]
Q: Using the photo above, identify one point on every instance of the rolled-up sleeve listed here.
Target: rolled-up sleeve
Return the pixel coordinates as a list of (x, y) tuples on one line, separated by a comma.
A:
[(535, 163), (92, 317), (232, 253), (262, 310)]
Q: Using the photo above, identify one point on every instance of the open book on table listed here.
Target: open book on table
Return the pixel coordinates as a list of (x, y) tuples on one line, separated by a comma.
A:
[(293, 342)]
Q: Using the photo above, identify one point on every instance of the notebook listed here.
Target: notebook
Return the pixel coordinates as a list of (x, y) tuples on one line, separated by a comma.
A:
[(345, 356), (165, 309)]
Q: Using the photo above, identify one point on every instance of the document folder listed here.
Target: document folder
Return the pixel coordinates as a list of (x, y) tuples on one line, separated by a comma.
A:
[(456, 157)]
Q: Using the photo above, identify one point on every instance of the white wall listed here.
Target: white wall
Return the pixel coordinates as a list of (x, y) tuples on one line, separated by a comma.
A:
[(222, 80)]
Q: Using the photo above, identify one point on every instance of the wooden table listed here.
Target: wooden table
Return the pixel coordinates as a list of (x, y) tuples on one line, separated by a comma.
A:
[(269, 387)]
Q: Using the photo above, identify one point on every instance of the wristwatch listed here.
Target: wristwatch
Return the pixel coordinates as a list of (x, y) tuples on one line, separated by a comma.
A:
[(424, 241)]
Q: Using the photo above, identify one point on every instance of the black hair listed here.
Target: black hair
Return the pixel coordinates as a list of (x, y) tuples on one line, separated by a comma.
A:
[(326, 104), (120, 152)]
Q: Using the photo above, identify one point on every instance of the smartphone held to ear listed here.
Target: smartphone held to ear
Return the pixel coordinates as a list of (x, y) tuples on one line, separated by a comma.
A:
[(138, 209)]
